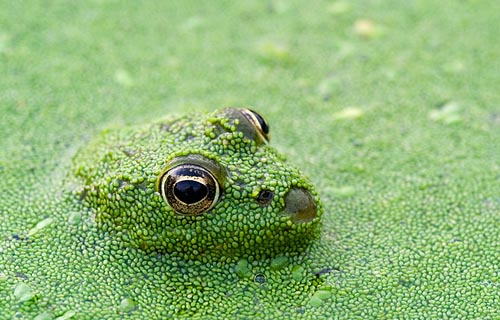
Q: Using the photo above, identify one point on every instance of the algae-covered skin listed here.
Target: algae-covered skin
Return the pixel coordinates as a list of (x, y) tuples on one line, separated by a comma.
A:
[(228, 234), (251, 204)]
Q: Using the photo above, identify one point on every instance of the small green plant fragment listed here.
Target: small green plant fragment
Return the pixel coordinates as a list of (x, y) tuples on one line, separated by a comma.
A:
[(74, 218), (243, 269), (279, 6), (40, 225), (274, 51), (315, 301), (298, 273), (44, 316), (348, 114), (122, 77), (279, 263), (367, 29), (344, 192), (127, 305), (448, 113), (339, 7), (23, 292), (323, 294), (67, 315), (319, 297)]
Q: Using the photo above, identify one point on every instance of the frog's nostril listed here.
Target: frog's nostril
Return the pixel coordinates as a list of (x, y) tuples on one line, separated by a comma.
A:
[(300, 205)]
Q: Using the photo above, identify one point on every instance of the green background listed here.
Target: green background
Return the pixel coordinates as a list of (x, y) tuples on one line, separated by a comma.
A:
[(391, 107)]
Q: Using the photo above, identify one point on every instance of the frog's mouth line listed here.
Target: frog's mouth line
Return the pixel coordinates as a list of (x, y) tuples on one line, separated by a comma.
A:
[(300, 206)]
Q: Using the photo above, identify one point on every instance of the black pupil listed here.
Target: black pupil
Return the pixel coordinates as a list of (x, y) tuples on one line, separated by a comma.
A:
[(190, 191), (262, 122)]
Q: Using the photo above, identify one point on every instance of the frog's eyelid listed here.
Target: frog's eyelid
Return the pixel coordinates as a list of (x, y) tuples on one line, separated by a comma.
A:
[(250, 123), (217, 170), (258, 122)]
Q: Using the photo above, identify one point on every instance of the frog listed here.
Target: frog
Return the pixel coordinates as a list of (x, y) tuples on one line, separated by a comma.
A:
[(193, 187), (196, 209)]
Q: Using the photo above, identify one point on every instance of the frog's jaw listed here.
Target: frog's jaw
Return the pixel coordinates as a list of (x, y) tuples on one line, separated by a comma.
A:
[(220, 234)]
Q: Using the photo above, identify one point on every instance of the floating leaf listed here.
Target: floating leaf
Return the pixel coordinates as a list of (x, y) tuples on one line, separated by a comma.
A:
[(273, 51), (448, 113), (367, 29), (127, 305), (40, 225), (348, 113), (243, 269), (67, 315), (44, 316), (298, 273), (123, 78), (344, 192), (339, 7), (23, 292), (319, 297), (74, 218), (279, 262)]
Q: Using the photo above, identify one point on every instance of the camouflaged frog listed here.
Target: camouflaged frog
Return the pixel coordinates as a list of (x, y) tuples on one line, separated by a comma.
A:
[(199, 187), (194, 216)]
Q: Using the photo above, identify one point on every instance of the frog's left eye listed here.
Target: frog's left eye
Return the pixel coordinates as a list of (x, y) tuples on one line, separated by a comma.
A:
[(260, 124), (190, 189), (250, 123)]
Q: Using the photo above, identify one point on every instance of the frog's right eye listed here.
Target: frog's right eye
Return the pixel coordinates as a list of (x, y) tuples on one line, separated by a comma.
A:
[(189, 189), (191, 185)]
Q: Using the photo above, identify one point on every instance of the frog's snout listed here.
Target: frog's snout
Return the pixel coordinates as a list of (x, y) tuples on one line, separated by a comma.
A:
[(300, 205)]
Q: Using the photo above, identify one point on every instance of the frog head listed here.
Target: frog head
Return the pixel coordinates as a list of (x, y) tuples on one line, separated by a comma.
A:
[(199, 186)]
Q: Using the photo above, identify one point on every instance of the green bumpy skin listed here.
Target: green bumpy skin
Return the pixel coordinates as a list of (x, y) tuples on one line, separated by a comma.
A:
[(116, 178), (98, 241)]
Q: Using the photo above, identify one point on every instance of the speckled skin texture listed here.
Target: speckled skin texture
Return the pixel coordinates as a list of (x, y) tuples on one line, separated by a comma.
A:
[(115, 235), (117, 173)]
